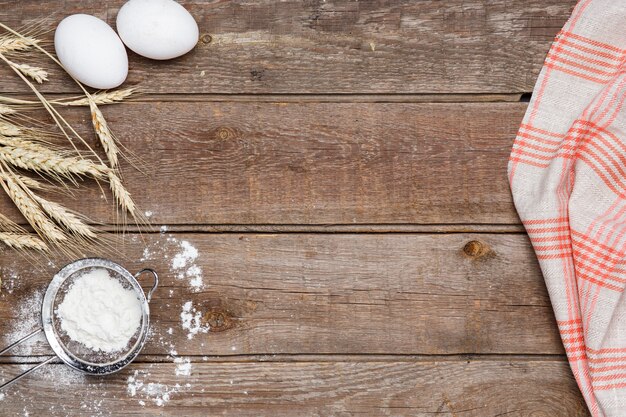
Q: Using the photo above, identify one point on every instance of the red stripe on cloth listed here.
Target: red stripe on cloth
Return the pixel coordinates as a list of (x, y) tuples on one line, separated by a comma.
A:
[(542, 131), (581, 66), (577, 73), (593, 42)]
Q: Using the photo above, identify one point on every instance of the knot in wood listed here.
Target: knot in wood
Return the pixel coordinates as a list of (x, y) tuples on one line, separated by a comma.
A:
[(225, 133), (206, 38), (475, 249), (218, 320)]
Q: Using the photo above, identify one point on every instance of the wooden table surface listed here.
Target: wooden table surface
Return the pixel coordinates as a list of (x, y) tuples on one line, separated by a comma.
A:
[(340, 168)]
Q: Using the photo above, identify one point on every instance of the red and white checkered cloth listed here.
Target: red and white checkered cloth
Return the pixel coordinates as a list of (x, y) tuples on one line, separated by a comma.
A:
[(568, 177)]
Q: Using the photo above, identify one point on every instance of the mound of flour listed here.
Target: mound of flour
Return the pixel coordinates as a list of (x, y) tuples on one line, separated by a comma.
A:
[(99, 312)]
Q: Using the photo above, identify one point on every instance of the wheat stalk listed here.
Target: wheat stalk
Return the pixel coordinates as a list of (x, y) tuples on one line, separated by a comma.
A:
[(104, 133), (32, 211), (52, 163)]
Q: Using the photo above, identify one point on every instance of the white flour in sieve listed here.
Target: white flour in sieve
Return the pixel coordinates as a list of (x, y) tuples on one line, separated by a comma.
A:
[(99, 312)]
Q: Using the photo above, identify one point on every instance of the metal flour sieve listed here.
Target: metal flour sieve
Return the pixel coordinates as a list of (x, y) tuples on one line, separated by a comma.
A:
[(74, 354)]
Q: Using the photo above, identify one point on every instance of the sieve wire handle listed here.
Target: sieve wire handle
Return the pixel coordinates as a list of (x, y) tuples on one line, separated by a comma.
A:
[(156, 281), (28, 371), (19, 342)]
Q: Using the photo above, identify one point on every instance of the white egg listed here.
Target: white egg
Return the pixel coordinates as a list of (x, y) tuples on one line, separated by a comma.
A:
[(157, 29), (91, 51)]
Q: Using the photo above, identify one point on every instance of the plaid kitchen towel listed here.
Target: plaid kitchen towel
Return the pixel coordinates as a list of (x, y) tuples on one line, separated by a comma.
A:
[(568, 177)]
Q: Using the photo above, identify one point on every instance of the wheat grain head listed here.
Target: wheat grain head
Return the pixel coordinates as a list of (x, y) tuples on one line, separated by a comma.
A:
[(38, 74), (104, 133), (52, 163), (66, 218), (22, 241), (32, 212), (10, 43)]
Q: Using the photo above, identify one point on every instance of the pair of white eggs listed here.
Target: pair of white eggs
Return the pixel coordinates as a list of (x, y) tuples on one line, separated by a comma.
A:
[(92, 52)]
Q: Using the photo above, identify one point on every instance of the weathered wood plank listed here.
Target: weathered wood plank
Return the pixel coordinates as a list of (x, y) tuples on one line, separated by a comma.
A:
[(374, 46), (313, 163), (325, 294), (481, 389)]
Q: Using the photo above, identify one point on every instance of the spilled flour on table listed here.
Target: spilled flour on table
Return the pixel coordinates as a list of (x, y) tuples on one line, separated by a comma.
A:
[(9, 280), (28, 311), (183, 366), (191, 320), (183, 261), (183, 264), (157, 393)]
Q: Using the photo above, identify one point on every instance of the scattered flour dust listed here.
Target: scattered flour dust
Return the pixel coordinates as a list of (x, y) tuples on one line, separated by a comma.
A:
[(9, 280), (191, 320), (157, 393), (183, 261), (183, 264), (183, 366), (28, 312)]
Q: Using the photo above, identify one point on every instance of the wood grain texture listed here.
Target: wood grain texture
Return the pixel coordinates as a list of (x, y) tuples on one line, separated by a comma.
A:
[(313, 163), (467, 389), (317, 119), (326, 294), (317, 46)]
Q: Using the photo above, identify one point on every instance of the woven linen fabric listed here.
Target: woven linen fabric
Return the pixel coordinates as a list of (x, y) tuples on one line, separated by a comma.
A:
[(567, 172)]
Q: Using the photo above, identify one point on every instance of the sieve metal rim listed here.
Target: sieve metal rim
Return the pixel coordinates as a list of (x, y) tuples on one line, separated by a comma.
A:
[(47, 316)]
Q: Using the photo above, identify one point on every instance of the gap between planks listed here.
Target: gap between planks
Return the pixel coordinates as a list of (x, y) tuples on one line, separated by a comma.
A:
[(320, 228), (319, 357), (312, 98), (363, 228)]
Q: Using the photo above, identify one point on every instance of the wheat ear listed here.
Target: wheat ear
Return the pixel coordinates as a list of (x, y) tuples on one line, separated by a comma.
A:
[(64, 217), (36, 73), (28, 182), (122, 196), (16, 44), (14, 236), (50, 162), (22, 241), (99, 98), (104, 133), (32, 211)]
